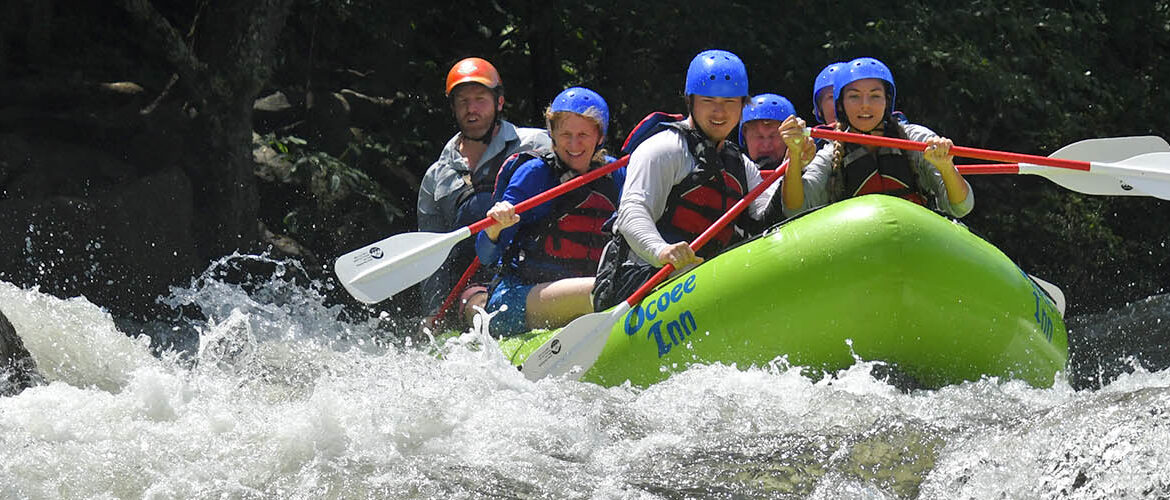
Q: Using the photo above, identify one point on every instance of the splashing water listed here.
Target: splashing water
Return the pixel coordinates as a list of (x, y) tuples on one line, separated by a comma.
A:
[(277, 398)]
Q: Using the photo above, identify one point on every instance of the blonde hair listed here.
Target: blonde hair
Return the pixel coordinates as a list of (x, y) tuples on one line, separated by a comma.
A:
[(553, 119)]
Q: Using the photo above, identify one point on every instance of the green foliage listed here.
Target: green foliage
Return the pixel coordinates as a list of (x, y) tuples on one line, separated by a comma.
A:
[(330, 182)]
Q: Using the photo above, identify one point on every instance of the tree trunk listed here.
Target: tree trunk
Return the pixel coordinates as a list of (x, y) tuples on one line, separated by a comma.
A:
[(223, 75)]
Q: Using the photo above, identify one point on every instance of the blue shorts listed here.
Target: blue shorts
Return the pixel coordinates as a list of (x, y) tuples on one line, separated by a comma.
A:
[(512, 292)]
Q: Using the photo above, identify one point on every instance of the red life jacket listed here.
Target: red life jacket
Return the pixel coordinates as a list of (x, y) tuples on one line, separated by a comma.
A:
[(706, 194), (567, 242)]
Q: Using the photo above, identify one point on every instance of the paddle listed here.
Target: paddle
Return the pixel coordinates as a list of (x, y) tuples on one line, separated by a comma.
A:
[(580, 342), (376, 272), (1147, 174), (455, 292)]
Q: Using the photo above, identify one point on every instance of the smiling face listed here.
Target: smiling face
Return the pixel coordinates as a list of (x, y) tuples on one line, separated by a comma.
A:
[(865, 103), (475, 108), (716, 116), (575, 139), (762, 139)]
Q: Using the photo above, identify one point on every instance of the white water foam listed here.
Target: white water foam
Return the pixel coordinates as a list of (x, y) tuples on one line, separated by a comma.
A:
[(283, 400)]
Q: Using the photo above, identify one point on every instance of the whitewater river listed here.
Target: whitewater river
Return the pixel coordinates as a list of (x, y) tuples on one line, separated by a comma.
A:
[(279, 399)]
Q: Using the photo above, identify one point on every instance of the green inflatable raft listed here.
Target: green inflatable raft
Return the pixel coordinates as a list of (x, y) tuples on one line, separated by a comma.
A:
[(874, 277)]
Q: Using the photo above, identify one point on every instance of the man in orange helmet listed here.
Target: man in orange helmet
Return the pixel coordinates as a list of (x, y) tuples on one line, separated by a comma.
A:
[(456, 190)]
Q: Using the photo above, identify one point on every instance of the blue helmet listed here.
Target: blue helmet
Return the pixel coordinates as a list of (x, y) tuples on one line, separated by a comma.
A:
[(765, 107), (860, 69), (579, 100), (824, 79), (717, 73)]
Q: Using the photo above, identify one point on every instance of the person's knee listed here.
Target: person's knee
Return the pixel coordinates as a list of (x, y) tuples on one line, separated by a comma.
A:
[(472, 303)]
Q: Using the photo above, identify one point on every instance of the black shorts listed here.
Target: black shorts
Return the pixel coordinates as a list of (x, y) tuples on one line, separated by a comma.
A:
[(617, 276)]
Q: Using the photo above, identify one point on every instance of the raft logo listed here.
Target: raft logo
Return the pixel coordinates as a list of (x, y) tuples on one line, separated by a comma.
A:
[(677, 329)]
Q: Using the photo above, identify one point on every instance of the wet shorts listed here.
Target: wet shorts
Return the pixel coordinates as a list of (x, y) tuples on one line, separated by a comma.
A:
[(512, 292)]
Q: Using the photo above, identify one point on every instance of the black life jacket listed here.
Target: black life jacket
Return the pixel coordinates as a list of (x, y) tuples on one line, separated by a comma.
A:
[(568, 241), (475, 198), (706, 194), (884, 171)]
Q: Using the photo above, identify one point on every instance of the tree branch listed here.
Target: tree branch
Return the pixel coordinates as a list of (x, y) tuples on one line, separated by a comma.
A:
[(192, 71)]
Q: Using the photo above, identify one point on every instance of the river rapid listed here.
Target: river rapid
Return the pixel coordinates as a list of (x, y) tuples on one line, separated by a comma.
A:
[(275, 397)]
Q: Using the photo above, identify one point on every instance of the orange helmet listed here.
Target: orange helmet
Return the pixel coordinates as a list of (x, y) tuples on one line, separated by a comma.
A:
[(473, 69)]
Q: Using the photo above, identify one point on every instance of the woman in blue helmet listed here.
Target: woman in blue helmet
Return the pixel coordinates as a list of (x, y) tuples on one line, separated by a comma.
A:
[(548, 255), (863, 95), (759, 129), (680, 180)]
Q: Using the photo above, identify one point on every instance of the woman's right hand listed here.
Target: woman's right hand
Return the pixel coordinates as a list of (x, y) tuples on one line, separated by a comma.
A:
[(505, 215), (680, 255)]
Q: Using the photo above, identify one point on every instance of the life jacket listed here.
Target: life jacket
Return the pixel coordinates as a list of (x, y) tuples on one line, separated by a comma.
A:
[(705, 194), (568, 241), (474, 200), (886, 172)]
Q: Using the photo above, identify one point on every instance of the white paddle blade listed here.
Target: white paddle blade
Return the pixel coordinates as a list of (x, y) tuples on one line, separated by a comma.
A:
[(1112, 149), (1142, 175), (1082, 181), (574, 349), (376, 272), (1053, 291)]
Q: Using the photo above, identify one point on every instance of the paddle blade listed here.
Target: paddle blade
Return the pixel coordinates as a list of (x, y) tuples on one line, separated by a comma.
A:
[(1111, 149), (574, 349), (1053, 291), (1143, 175), (1083, 182), (376, 272), (1149, 173)]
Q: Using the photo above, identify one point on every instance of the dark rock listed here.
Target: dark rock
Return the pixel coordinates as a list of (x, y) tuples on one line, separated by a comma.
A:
[(277, 110), (270, 165), (284, 246), (18, 371), (120, 247), (36, 168)]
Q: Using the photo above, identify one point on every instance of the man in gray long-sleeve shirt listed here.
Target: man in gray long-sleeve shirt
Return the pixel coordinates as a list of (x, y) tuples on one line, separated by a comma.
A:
[(456, 190), (680, 180)]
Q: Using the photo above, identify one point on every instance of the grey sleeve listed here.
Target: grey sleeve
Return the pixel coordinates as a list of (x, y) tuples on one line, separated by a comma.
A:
[(758, 209), (815, 180), (931, 180), (537, 139), (429, 216), (654, 168)]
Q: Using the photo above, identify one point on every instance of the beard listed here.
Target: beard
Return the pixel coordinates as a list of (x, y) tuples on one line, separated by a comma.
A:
[(482, 134)]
